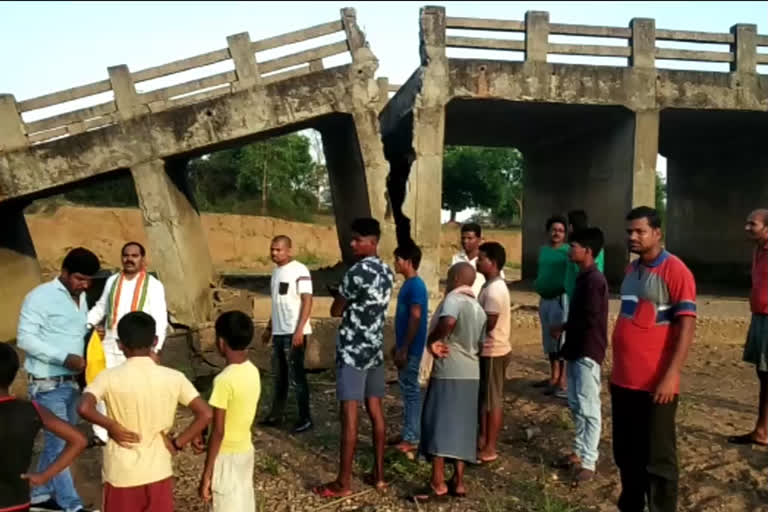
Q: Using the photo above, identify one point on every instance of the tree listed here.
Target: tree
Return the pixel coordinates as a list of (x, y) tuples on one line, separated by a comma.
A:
[(661, 198), (483, 178)]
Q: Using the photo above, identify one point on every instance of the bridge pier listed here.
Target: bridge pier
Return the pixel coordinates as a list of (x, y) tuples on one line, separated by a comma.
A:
[(21, 271), (717, 172), (604, 172), (177, 242)]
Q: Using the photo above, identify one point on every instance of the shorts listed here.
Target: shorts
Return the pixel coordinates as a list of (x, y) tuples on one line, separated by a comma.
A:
[(552, 312), (355, 384), (156, 496), (492, 370), (756, 348), (232, 482)]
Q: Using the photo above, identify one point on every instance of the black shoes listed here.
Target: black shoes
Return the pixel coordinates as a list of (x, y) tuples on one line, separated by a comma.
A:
[(302, 426)]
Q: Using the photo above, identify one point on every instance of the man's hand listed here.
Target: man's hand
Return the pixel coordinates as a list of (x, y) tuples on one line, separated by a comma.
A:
[(298, 340), (205, 488), (35, 479), (169, 444), (74, 363), (556, 331), (198, 444), (122, 435), (266, 336), (102, 332), (439, 349), (401, 357), (665, 391)]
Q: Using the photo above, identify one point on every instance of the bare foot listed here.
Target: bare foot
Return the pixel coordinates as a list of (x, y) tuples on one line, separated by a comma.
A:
[(332, 490), (487, 455), (378, 483)]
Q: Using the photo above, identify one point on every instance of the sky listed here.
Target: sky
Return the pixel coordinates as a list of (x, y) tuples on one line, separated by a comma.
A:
[(50, 46)]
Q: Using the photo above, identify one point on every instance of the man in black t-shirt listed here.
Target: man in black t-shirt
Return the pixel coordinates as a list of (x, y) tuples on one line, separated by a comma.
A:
[(21, 422)]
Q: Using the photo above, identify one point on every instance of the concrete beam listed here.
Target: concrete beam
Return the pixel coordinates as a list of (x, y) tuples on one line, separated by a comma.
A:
[(177, 242), (241, 51), (126, 97), (18, 264), (645, 155), (536, 36), (744, 49), (643, 43)]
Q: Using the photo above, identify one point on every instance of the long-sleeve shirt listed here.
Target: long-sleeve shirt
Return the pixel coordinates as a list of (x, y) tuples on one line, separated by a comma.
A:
[(587, 325), (154, 305), (51, 326), (572, 271)]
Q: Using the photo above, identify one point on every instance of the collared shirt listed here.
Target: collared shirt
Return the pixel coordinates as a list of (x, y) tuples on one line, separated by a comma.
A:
[(154, 306), (142, 397), (653, 296), (367, 287), (758, 299), (587, 326), (479, 278), (51, 326)]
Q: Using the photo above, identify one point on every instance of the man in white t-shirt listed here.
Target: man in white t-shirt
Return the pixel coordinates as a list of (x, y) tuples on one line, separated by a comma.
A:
[(291, 288), (471, 238)]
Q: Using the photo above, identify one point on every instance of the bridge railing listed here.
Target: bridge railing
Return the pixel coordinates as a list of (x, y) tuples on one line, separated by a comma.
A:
[(127, 102), (641, 36)]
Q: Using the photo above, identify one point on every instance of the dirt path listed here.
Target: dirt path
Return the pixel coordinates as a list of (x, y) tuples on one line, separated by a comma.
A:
[(719, 396)]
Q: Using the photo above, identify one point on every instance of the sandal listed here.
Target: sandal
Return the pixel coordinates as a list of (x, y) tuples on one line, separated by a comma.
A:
[(745, 439), (325, 491)]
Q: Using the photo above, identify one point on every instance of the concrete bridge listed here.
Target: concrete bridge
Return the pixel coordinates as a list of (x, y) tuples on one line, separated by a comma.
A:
[(152, 135), (590, 135)]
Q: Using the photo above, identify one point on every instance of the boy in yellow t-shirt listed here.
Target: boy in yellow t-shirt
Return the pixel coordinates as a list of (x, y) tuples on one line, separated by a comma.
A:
[(228, 474)]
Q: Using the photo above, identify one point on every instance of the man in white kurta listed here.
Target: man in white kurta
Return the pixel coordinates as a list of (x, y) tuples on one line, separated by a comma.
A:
[(132, 289), (471, 239)]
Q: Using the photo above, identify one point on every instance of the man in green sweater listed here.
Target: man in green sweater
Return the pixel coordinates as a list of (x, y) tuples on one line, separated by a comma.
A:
[(549, 284)]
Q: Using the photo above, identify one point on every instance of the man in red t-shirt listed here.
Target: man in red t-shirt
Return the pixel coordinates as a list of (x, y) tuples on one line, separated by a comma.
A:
[(756, 347), (651, 339)]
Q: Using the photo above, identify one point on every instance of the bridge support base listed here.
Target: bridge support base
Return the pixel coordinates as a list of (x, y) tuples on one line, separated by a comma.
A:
[(20, 268), (178, 244)]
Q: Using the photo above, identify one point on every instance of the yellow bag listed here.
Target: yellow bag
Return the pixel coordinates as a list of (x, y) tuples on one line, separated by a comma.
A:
[(95, 361)]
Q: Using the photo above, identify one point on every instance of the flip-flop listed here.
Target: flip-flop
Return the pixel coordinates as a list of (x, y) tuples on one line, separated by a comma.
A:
[(745, 439), (324, 491), (428, 495), (487, 459)]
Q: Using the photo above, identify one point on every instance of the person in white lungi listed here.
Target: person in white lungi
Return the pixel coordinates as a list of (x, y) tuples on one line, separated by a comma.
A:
[(132, 289)]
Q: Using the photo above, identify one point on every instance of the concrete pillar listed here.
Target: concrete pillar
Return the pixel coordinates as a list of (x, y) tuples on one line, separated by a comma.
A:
[(643, 43), (244, 57), (593, 172), (12, 133), (18, 264), (710, 192), (126, 97), (347, 178), (178, 247), (744, 48), (646, 153), (536, 36), (423, 199)]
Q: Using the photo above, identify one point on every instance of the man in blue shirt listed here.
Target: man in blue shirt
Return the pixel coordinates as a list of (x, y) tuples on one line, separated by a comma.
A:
[(410, 336), (52, 329)]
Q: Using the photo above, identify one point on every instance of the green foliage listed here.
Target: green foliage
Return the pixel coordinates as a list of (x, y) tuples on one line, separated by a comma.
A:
[(276, 177), (488, 179), (661, 198)]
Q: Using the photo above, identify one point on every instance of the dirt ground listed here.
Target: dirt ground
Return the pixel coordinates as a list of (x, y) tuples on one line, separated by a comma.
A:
[(718, 398)]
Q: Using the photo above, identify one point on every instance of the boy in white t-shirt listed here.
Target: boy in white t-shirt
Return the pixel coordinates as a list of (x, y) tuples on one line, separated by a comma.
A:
[(291, 288)]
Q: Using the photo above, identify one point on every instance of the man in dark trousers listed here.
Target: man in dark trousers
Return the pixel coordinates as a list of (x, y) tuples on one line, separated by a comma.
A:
[(651, 339)]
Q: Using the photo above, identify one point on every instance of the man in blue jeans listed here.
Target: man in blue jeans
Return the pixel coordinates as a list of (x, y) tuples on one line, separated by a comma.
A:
[(410, 336), (289, 326), (51, 332), (584, 352)]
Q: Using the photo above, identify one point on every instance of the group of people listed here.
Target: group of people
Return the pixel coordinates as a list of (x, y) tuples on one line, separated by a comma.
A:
[(460, 355)]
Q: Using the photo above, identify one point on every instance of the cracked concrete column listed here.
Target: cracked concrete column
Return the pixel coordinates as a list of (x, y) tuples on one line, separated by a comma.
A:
[(19, 266), (423, 199), (178, 246)]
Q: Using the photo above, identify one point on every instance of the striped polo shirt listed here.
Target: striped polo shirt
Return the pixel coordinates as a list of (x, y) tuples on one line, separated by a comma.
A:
[(653, 295)]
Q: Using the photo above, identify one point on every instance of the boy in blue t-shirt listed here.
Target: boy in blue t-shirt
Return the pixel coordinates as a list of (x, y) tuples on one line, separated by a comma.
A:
[(410, 337)]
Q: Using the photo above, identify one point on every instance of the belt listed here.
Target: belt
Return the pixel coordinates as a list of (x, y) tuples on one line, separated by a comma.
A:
[(59, 378)]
